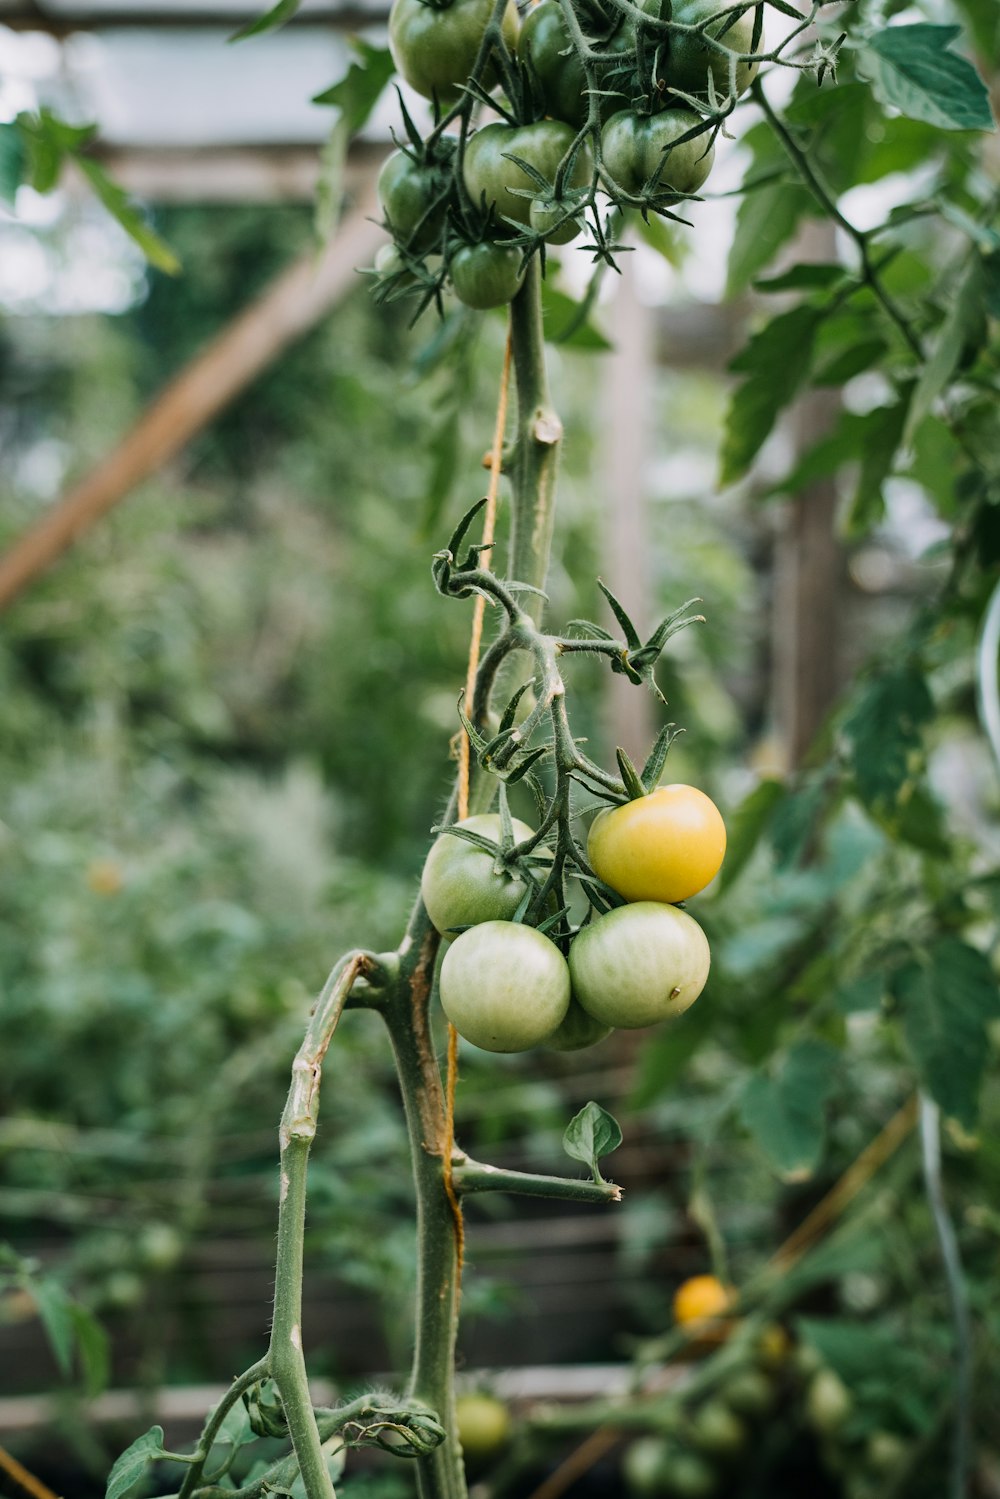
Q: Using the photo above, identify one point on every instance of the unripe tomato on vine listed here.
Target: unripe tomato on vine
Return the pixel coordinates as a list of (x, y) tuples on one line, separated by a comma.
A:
[(651, 149), (692, 57), (504, 986), (485, 275), (639, 964), (460, 885), (434, 47), (494, 181)]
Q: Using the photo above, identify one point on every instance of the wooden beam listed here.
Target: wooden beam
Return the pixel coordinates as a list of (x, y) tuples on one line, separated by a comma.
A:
[(292, 305)]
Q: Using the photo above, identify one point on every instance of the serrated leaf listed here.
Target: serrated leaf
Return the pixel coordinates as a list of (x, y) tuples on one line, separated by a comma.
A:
[(775, 364), (746, 827), (767, 219), (912, 70), (357, 93), (132, 1464), (783, 1107), (273, 18), (946, 999), (93, 1349), (884, 733), (12, 162), (591, 1134)]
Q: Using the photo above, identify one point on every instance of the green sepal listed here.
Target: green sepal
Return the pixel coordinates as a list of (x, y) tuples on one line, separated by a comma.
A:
[(633, 781), (510, 712), (653, 768), (631, 638)]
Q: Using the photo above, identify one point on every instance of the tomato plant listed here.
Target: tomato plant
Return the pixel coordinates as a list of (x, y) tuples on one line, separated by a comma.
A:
[(434, 46), (545, 45), (639, 964), (693, 57), (413, 196), (663, 153), (504, 987), (665, 846)]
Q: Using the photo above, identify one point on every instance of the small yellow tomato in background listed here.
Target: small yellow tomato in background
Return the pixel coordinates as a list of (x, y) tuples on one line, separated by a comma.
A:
[(700, 1299), (665, 846)]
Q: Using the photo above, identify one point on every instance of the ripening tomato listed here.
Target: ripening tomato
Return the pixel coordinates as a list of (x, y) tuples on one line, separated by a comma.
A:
[(665, 846), (640, 149), (435, 46), (504, 987), (700, 1298), (639, 964)]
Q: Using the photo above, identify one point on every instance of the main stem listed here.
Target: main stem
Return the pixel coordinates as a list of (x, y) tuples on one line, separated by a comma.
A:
[(532, 472)]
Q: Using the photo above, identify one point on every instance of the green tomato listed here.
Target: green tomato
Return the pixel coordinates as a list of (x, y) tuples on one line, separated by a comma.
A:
[(828, 1402), (685, 1475), (414, 200), (577, 1030), (691, 58), (504, 987), (885, 1453), (716, 1430), (749, 1392), (434, 47), (545, 46), (642, 1464), (486, 275), (483, 1424), (459, 885), (493, 180), (639, 964), (641, 148)]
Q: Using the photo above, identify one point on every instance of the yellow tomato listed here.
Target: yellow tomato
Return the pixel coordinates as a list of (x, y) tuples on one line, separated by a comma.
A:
[(665, 846), (700, 1299)]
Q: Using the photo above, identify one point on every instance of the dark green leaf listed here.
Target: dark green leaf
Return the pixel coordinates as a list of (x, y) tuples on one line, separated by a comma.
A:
[(849, 362), (591, 1134), (12, 162), (783, 1108), (746, 826), (357, 93), (278, 14), (775, 363), (862, 995), (662, 1059), (93, 1349), (767, 219), (132, 1464), (884, 733), (630, 776), (806, 276), (55, 1309), (991, 282), (793, 825), (946, 1000), (883, 432), (912, 70)]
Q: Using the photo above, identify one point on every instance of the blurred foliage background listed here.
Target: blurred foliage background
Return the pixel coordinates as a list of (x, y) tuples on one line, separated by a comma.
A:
[(224, 729)]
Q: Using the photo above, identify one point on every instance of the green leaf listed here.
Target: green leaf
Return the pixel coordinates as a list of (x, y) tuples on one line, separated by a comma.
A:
[(884, 733), (991, 283), (663, 1059), (93, 1349), (775, 363), (121, 207), (806, 276), (767, 219), (12, 162), (793, 825), (133, 1462), (912, 70), (853, 360), (946, 999), (361, 87), (565, 322), (591, 1134), (276, 16), (856, 1353), (883, 432), (55, 1308), (746, 826), (783, 1108), (964, 325), (860, 996)]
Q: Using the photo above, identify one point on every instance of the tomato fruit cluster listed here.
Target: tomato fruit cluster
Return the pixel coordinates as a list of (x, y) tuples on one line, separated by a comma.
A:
[(506, 986), (623, 107)]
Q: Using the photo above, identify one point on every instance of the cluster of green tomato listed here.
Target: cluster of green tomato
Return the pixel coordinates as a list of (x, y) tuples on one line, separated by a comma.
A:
[(522, 183), (506, 986)]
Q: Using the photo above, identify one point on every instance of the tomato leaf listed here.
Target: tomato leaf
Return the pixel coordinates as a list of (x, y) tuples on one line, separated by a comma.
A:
[(946, 999), (911, 69), (92, 1347), (132, 1464), (964, 327), (272, 18), (591, 1134), (775, 363), (356, 94), (884, 733), (12, 162), (783, 1107), (121, 207)]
